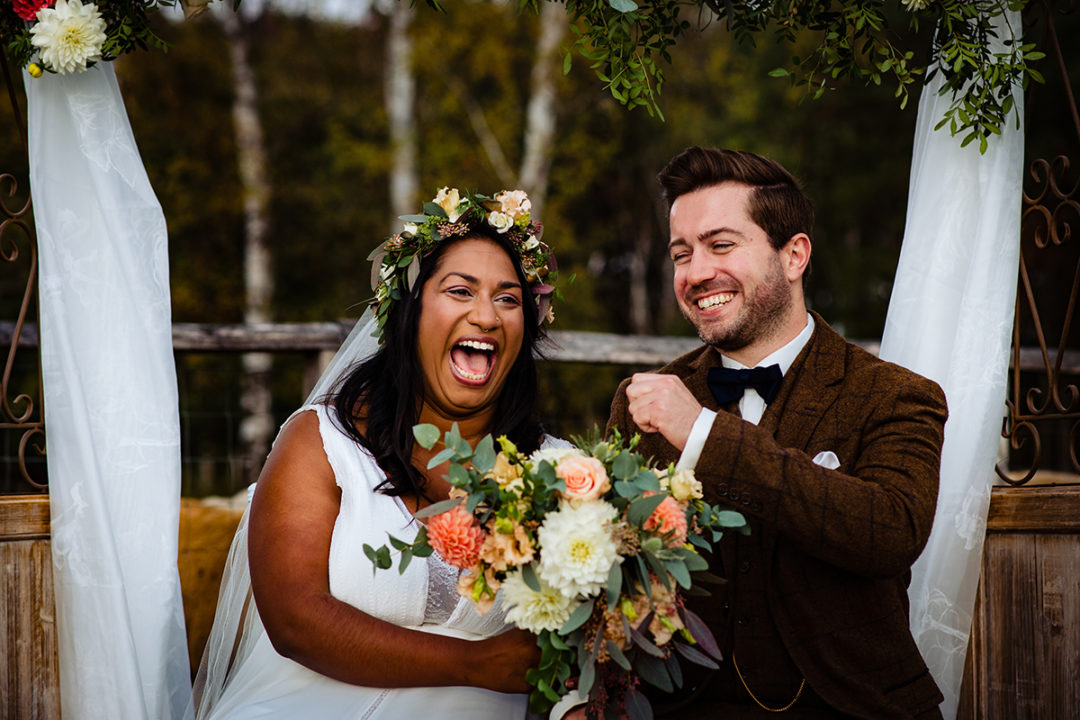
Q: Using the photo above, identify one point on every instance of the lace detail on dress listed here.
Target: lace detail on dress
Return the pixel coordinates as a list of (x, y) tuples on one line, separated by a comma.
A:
[(442, 595)]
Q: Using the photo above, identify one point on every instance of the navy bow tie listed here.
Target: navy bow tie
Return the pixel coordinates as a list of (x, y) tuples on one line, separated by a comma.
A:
[(728, 384)]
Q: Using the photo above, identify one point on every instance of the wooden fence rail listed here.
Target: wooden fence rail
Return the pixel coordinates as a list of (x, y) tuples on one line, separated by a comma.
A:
[(565, 346)]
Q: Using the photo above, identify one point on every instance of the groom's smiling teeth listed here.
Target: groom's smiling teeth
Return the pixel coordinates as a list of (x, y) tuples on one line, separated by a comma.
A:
[(473, 360), (712, 301)]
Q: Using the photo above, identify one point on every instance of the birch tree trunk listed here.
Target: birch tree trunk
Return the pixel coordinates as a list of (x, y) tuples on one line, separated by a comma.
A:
[(540, 115), (257, 425), (400, 90)]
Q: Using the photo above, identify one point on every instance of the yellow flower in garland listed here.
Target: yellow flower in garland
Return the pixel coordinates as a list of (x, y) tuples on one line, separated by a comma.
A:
[(69, 35)]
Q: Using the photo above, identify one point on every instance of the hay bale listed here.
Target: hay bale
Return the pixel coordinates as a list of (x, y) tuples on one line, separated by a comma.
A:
[(206, 531)]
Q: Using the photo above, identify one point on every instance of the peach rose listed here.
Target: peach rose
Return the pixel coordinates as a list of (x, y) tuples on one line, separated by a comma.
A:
[(585, 477), (456, 536), (668, 517)]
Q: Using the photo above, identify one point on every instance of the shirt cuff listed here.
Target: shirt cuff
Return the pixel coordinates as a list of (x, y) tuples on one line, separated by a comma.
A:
[(696, 442)]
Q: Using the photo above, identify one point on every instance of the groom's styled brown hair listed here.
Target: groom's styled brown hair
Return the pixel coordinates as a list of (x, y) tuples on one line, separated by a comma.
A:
[(777, 203)]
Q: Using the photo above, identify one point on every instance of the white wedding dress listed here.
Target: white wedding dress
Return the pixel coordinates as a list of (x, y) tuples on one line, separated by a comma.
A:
[(243, 677)]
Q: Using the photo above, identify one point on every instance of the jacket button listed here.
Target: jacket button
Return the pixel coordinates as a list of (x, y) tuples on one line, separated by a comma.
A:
[(744, 566), (727, 607), (722, 489)]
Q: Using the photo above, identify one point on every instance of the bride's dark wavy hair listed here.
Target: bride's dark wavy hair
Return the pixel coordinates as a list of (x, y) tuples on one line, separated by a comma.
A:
[(386, 390)]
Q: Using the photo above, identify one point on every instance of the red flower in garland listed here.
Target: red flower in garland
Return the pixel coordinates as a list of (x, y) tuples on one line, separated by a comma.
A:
[(28, 9)]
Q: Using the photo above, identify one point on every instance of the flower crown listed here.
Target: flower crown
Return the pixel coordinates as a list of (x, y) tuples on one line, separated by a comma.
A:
[(396, 262)]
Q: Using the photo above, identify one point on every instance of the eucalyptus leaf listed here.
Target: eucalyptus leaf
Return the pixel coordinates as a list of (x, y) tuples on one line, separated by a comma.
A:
[(406, 558), (458, 475), (528, 574), (641, 509), (484, 456), (376, 266), (413, 272), (617, 655), (653, 671), (701, 633), (418, 219), (644, 643), (678, 570), (426, 435), (436, 508), (431, 208), (671, 661), (730, 519), (614, 584), (473, 500), (441, 457), (578, 617), (694, 655), (637, 705), (625, 466), (623, 6)]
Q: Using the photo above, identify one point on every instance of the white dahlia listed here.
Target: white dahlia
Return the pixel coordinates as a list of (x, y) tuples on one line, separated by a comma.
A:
[(69, 35), (534, 611), (576, 548)]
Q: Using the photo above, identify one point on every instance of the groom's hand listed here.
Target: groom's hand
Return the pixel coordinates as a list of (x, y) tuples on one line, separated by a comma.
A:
[(663, 404)]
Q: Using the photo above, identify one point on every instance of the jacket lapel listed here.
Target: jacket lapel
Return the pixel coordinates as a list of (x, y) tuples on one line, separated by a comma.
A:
[(810, 387)]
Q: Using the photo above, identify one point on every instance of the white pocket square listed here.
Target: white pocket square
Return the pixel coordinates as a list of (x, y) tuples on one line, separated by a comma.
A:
[(827, 459)]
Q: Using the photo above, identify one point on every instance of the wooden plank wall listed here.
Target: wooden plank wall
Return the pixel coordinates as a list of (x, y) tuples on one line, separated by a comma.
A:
[(29, 679), (1024, 657)]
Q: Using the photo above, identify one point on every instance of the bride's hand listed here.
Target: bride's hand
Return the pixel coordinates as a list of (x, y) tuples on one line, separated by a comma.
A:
[(506, 657)]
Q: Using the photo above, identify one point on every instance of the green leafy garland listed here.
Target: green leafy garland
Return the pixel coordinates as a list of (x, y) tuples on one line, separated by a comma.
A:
[(623, 39)]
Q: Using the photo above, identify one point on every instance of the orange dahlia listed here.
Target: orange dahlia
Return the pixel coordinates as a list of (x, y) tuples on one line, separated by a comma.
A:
[(456, 536)]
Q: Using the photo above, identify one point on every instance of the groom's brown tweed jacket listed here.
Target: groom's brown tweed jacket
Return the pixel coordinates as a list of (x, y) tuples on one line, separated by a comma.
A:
[(826, 568)]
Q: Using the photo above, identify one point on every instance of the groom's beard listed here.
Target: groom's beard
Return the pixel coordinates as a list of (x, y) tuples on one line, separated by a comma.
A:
[(763, 313)]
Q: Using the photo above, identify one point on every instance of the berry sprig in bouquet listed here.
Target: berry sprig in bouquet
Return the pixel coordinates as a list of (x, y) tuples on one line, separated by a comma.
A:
[(592, 549)]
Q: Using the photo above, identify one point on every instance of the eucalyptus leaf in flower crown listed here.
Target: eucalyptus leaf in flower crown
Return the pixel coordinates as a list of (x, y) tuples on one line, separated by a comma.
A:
[(592, 550), (67, 36)]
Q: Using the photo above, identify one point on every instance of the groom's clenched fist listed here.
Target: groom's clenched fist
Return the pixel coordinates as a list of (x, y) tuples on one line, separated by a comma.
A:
[(663, 404)]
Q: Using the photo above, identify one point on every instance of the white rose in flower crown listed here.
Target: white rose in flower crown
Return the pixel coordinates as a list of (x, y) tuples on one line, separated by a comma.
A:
[(514, 203), (532, 243), (69, 35), (409, 229), (500, 221), (577, 549), (449, 199)]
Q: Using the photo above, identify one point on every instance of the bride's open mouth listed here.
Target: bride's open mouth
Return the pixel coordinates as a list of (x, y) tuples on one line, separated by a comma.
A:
[(472, 361)]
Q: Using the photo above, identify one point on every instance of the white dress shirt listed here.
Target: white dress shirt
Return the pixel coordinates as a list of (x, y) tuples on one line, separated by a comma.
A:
[(751, 405)]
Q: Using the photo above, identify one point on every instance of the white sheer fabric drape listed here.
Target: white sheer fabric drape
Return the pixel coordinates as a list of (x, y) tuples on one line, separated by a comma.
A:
[(950, 319), (110, 405)]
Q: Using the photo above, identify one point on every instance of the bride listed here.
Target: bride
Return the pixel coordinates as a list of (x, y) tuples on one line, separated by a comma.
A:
[(460, 300)]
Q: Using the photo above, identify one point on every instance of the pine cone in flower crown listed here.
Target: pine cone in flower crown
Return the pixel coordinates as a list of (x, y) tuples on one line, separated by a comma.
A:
[(193, 7), (28, 9)]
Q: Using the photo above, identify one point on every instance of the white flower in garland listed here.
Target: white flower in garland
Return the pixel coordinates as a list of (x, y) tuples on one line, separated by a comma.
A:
[(534, 611), (577, 549), (69, 35)]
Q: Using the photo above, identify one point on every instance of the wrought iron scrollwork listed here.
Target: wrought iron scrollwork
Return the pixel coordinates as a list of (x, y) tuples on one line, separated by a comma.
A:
[(22, 413), (1051, 208)]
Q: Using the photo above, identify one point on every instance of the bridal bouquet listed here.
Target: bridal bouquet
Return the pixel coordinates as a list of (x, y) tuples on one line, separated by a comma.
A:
[(593, 551)]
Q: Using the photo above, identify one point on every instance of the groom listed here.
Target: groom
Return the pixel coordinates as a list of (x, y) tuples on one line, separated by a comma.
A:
[(831, 454)]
